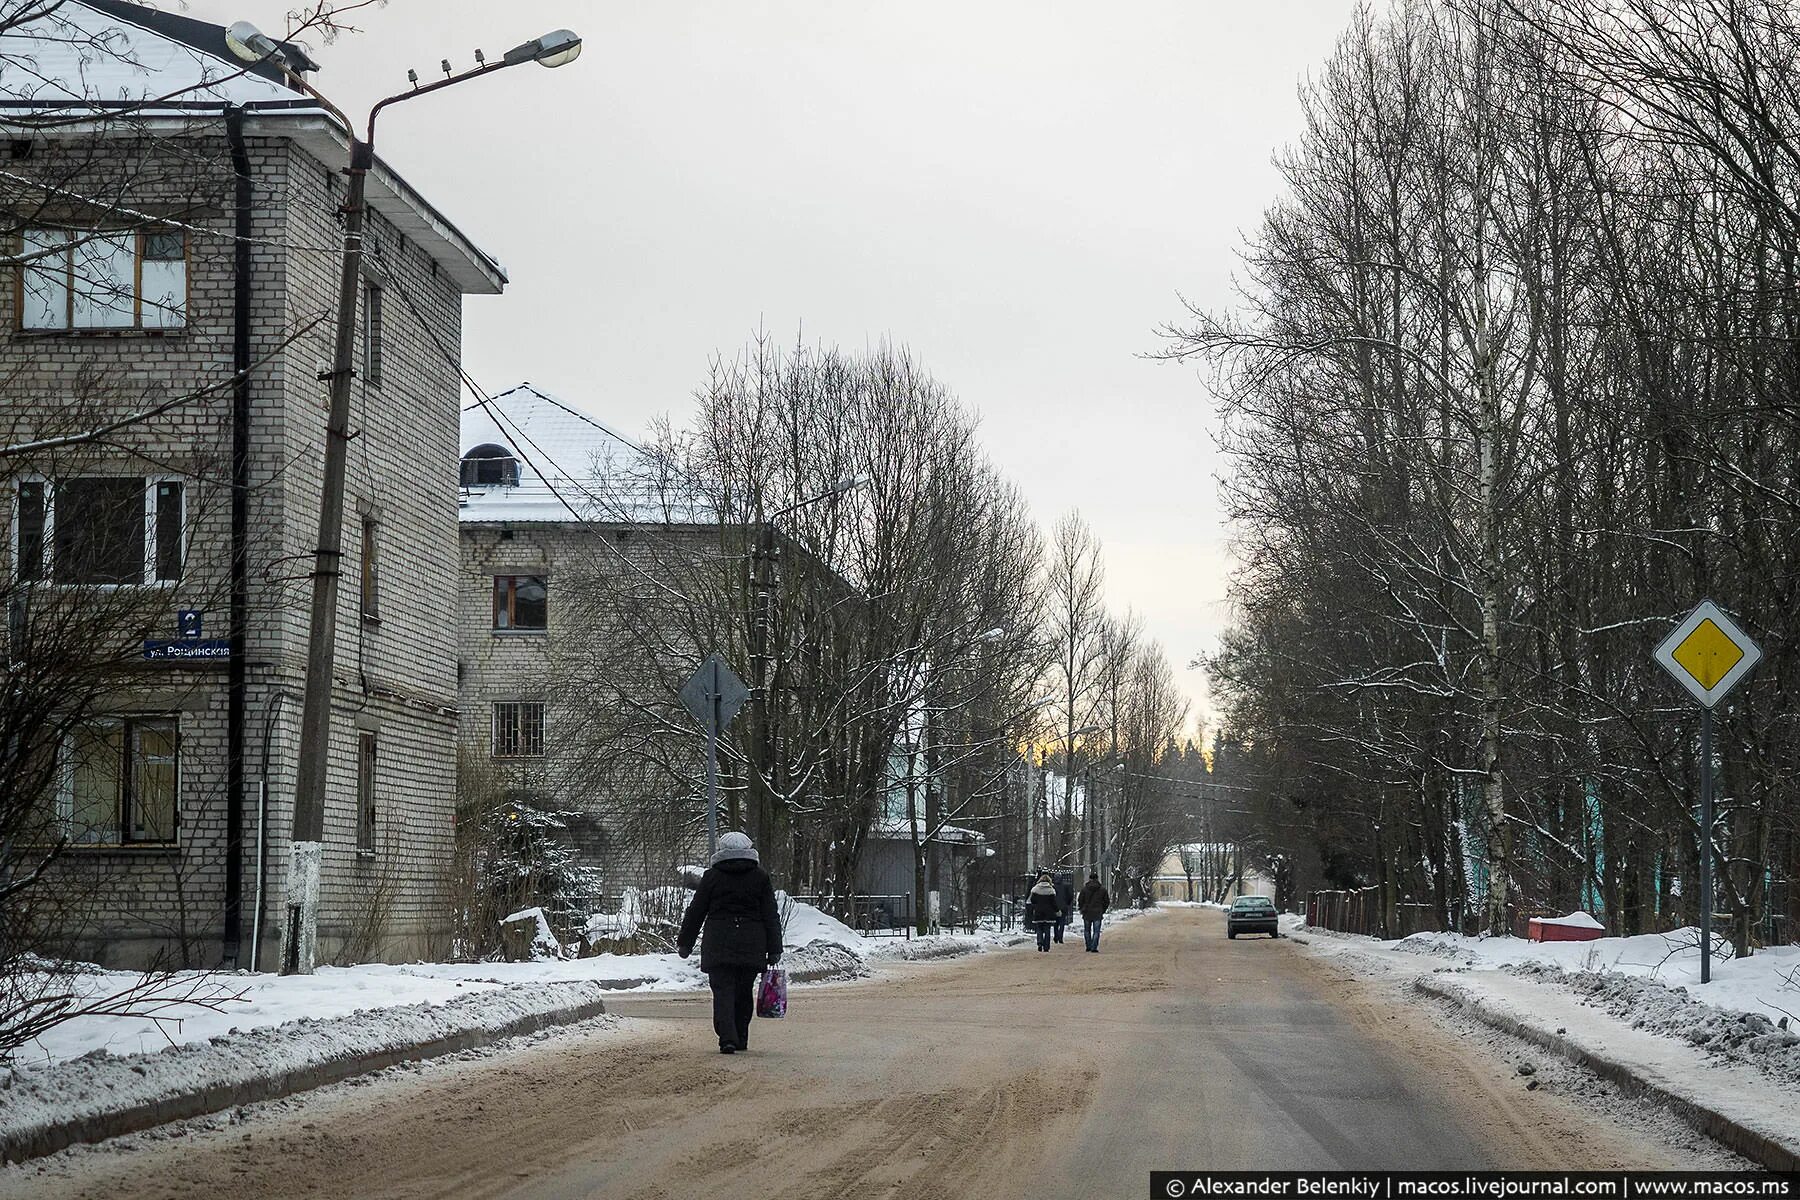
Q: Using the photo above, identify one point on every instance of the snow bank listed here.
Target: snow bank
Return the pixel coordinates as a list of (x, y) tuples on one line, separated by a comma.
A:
[(1766, 983), (47, 1106), (805, 924)]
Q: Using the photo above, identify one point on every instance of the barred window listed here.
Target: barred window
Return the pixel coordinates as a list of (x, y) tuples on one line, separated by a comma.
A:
[(519, 729)]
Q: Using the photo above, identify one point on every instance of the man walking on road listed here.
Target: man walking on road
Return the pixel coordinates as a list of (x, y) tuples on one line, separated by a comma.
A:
[(1093, 903)]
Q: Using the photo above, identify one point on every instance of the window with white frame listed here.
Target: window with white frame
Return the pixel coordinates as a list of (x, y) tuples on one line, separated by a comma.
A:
[(76, 280), (100, 529), (122, 782), (519, 729)]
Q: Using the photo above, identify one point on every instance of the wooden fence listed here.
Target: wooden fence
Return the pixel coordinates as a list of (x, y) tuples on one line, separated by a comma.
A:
[(1359, 911)]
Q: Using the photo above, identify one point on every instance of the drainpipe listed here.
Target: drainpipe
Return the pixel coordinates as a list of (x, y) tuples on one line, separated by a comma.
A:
[(240, 549), (262, 826)]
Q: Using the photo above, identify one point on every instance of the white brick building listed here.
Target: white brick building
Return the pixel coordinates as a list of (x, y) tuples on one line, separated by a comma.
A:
[(133, 293)]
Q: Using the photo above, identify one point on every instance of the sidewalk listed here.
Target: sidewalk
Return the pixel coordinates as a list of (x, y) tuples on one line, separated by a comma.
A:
[(1736, 1105), (1747, 1109)]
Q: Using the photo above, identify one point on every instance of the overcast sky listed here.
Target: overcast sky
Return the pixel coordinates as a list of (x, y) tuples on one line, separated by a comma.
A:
[(1018, 190)]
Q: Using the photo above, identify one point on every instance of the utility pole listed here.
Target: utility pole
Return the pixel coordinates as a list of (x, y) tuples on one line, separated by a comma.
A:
[(306, 853)]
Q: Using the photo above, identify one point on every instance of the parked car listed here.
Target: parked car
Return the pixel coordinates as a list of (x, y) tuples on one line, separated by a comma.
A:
[(1252, 914)]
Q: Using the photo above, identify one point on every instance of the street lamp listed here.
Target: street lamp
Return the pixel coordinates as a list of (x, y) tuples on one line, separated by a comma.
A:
[(253, 46)]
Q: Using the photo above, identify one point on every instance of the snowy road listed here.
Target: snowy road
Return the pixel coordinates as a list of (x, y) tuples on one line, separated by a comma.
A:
[(1010, 1074)]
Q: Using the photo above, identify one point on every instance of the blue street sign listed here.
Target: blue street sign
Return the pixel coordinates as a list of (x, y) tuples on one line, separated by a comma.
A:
[(187, 621), (188, 650)]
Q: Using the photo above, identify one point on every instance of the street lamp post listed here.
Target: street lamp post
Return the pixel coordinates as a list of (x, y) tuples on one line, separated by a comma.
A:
[(300, 941)]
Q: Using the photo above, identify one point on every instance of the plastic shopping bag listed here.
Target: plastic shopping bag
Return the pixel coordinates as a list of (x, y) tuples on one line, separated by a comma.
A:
[(771, 993)]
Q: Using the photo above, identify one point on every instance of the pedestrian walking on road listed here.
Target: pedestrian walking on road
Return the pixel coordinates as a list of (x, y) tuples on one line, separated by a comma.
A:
[(735, 908), (1042, 909), (1093, 903), (1065, 906)]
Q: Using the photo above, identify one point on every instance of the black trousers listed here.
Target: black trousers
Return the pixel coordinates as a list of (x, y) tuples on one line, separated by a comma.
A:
[(734, 1002)]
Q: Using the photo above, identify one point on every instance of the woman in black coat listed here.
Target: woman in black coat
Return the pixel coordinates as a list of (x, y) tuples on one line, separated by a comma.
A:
[(735, 906)]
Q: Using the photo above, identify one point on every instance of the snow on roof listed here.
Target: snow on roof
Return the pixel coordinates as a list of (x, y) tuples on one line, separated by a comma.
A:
[(84, 53), (118, 61), (899, 828), (566, 459)]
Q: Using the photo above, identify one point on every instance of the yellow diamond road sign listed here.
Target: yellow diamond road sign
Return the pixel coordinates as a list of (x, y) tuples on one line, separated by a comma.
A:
[(1708, 654)]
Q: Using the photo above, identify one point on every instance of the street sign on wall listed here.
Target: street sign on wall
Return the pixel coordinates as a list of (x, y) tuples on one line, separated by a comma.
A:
[(1708, 654)]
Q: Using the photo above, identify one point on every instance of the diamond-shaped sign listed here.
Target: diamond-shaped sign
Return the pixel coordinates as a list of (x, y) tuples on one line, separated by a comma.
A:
[(1708, 654), (715, 680)]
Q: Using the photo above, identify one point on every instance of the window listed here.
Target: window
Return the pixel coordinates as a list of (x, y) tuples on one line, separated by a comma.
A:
[(371, 572), (519, 729), (122, 782), (490, 466), (365, 793), (372, 335), (520, 604), (33, 512), (104, 529), (127, 279)]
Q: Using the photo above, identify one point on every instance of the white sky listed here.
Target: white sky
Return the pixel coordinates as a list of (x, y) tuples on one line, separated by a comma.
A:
[(1018, 189)]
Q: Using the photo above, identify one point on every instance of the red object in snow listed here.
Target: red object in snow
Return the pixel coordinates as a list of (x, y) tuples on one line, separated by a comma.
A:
[(1576, 927)]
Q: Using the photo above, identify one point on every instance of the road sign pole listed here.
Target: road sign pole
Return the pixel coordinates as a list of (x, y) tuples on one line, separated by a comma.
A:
[(1707, 654), (1706, 843), (712, 760), (712, 695)]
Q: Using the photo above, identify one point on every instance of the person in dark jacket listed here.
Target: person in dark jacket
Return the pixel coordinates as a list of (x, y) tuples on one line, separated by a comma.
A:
[(1093, 903), (1065, 906), (735, 908), (1042, 908)]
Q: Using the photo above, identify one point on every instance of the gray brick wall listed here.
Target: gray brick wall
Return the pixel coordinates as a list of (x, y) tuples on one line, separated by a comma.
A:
[(396, 676)]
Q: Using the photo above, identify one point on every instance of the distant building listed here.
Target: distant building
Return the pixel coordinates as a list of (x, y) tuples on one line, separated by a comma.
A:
[(1217, 872), (178, 803)]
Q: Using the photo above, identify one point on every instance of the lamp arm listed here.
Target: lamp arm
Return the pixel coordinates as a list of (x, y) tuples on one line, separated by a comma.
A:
[(435, 85)]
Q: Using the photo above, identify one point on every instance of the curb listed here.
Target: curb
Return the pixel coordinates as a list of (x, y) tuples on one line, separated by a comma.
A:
[(1767, 1150), (202, 1097)]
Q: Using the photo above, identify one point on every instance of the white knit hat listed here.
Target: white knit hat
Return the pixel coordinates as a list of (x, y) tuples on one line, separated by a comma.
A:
[(734, 845)]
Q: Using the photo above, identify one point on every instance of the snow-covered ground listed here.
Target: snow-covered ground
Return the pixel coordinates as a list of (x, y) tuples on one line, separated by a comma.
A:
[(1749, 1014), (1768, 982), (813, 939)]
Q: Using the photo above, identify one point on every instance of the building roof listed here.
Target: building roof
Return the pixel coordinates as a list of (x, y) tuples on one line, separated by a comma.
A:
[(567, 460), (70, 66)]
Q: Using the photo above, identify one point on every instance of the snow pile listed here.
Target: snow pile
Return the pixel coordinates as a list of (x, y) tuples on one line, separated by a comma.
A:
[(543, 942), (266, 1000), (1768, 982), (46, 1106), (1771, 1046), (803, 924)]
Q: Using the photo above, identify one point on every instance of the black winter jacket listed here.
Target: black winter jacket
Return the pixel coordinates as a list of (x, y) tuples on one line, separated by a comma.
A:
[(1043, 907), (1093, 901), (735, 903)]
